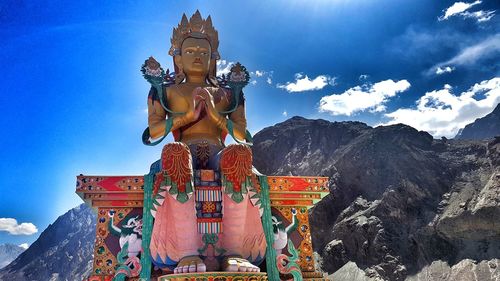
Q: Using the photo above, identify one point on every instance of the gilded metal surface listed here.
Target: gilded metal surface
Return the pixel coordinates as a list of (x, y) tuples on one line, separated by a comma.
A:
[(216, 276), (308, 275)]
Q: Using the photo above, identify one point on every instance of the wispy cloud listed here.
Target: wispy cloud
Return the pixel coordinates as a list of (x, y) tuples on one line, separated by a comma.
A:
[(262, 74), (480, 16), (487, 48), (24, 246), (372, 97), (11, 226), (461, 9), (363, 77), (441, 113), (303, 83), (285, 113), (443, 70), (224, 67), (426, 45)]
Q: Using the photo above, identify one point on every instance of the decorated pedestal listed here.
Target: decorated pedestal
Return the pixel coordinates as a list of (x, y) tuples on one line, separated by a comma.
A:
[(119, 202), (216, 276)]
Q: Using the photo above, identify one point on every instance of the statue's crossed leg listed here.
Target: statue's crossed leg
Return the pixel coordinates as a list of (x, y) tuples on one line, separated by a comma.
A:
[(176, 238)]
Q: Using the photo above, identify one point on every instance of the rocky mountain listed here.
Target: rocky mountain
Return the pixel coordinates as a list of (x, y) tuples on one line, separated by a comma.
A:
[(62, 252), (483, 128), (402, 205), (8, 252)]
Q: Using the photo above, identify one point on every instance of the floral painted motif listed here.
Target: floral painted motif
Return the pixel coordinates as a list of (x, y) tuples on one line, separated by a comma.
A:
[(236, 167)]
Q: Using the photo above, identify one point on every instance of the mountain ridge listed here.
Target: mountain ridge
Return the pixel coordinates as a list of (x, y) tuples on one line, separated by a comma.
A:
[(402, 205), (8, 253), (486, 127)]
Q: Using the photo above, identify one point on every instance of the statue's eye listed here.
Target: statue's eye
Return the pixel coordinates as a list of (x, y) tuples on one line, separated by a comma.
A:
[(189, 52), (203, 53)]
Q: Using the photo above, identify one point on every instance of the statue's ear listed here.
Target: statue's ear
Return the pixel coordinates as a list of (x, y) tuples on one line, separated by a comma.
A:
[(178, 61)]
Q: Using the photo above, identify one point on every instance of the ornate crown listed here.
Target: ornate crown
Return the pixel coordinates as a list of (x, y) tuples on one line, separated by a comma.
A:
[(196, 27)]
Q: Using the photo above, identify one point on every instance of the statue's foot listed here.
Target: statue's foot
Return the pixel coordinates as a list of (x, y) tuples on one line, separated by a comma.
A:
[(190, 264), (237, 264)]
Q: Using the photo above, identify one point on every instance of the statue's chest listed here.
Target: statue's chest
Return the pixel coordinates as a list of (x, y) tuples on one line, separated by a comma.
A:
[(179, 102)]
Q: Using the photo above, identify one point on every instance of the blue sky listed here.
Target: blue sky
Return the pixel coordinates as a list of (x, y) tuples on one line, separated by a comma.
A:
[(73, 100)]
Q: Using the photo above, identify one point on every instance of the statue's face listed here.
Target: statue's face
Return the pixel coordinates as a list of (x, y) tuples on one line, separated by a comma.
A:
[(195, 56)]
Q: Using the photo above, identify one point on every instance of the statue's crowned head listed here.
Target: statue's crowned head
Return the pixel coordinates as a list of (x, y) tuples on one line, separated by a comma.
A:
[(195, 44)]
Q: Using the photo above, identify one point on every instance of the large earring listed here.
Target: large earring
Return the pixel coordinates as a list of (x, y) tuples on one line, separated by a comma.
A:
[(212, 73), (179, 76)]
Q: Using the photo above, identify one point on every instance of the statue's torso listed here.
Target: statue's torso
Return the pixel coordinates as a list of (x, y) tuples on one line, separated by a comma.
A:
[(178, 99)]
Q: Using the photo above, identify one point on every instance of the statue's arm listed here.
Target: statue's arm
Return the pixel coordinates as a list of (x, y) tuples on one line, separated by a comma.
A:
[(239, 120), (157, 115)]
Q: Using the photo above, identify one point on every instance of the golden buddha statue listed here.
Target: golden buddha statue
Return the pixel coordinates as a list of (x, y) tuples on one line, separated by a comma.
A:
[(219, 228)]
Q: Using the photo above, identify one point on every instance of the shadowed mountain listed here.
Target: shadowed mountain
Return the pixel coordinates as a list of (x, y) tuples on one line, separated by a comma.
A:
[(62, 252), (483, 128), (8, 252), (400, 200), (402, 205)]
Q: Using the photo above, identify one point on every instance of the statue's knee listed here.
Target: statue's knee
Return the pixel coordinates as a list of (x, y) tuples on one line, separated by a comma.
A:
[(236, 154), (175, 152), (239, 150)]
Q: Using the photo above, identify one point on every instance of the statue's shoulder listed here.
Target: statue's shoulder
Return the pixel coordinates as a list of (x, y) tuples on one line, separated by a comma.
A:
[(167, 90), (172, 89)]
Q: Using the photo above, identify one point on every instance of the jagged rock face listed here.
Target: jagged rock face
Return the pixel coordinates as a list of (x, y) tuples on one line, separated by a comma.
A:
[(62, 252), (8, 253), (465, 270), (402, 205), (399, 199), (483, 128)]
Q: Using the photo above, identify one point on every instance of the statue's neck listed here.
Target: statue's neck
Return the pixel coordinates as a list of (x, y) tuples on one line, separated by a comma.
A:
[(195, 79)]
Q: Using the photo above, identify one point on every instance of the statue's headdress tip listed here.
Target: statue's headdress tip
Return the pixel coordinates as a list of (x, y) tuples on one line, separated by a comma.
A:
[(196, 24)]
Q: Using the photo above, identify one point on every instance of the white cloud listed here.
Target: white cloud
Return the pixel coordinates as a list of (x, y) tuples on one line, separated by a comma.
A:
[(253, 82), (24, 246), (457, 8), (461, 9), (441, 113), (370, 97), (224, 67), (442, 70), (285, 113), (259, 73), (11, 226), (304, 83), (470, 55), (269, 80)]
